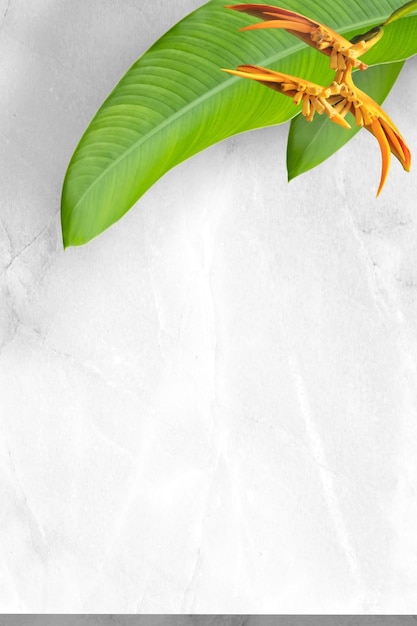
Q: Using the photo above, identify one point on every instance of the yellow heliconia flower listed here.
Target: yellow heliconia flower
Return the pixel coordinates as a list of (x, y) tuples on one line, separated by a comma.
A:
[(371, 116), (315, 34), (341, 96), (314, 98)]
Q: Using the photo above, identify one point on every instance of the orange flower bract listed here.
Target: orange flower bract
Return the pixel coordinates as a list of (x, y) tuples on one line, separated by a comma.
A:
[(339, 98)]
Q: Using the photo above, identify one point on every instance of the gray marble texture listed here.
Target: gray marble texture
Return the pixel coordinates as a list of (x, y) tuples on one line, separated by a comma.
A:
[(211, 408)]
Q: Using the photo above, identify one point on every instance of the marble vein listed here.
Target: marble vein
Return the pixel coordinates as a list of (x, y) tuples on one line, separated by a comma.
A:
[(386, 298), (19, 253), (6, 11), (189, 591), (21, 506), (326, 478), (84, 367)]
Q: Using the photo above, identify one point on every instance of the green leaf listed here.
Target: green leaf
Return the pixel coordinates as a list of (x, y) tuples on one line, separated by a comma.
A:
[(409, 7), (175, 101), (309, 144)]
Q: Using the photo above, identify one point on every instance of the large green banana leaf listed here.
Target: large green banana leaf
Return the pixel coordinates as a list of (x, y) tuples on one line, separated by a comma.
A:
[(175, 101), (311, 144)]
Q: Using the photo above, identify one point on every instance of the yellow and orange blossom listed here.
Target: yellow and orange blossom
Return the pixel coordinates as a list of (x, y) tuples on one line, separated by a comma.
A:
[(339, 98)]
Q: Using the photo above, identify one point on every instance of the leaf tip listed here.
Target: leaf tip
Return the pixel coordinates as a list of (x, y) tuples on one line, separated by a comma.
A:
[(66, 243)]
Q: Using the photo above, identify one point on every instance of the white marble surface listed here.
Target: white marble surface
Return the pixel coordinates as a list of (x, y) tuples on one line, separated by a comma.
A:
[(211, 408)]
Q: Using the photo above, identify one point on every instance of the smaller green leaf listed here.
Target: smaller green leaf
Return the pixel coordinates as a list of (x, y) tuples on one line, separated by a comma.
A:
[(311, 143), (397, 44), (409, 7)]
